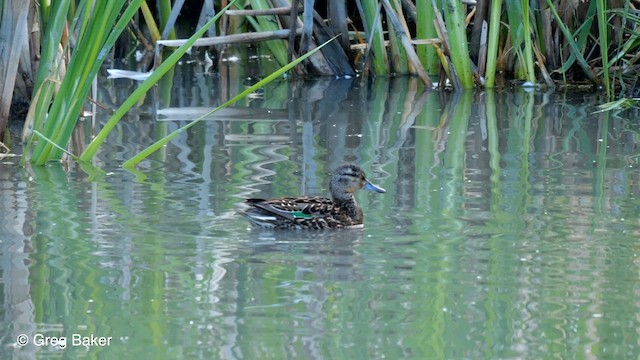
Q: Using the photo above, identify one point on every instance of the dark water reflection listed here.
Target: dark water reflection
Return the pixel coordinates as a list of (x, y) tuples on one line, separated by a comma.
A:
[(509, 229)]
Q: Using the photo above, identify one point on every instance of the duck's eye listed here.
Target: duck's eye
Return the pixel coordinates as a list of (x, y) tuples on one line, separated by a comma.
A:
[(352, 172)]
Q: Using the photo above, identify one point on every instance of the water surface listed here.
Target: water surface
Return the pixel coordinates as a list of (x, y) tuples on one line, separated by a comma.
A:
[(509, 228)]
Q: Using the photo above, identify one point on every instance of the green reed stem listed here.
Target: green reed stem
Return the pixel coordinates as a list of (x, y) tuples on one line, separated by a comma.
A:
[(397, 52), (96, 35), (515, 14), (604, 44), (528, 51), (164, 12), (494, 38), (54, 20), (427, 54), (142, 89), (270, 23), (150, 22), (454, 19), (375, 37)]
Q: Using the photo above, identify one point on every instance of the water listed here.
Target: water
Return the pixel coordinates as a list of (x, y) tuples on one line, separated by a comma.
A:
[(509, 229)]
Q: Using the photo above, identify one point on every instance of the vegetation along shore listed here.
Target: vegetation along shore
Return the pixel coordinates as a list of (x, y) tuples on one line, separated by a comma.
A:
[(50, 53)]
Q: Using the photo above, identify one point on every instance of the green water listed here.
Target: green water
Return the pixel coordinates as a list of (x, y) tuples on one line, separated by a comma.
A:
[(509, 230)]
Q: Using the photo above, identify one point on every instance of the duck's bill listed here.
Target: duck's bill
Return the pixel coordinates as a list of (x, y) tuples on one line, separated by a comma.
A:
[(371, 187)]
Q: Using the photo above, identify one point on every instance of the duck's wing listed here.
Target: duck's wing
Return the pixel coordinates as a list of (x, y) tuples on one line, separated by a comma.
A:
[(292, 208)]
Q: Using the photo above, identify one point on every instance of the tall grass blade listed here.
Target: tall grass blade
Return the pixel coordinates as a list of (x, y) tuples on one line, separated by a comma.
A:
[(617, 105), (519, 13), (456, 28), (129, 164), (494, 38), (270, 23), (94, 40), (175, 11), (425, 30), (516, 35), (164, 12), (370, 13), (572, 45), (632, 41), (604, 44), (396, 32), (167, 65), (528, 52), (152, 27), (52, 35), (408, 52), (581, 35), (46, 139)]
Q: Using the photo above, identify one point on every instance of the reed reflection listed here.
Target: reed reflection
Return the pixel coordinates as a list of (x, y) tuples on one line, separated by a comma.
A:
[(504, 210), (435, 151)]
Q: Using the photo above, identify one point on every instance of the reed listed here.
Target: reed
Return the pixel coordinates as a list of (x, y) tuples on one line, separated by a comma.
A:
[(493, 41), (96, 35), (150, 22), (51, 69), (427, 54), (14, 30), (516, 60), (624, 58), (406, 53), (603, 33), (338, 23), (399, 63), (164, 14), (142, 89), (370, 12), (269, 23), (575, 49), (457, 39), (528, 50), (521, 45), (54, 19)]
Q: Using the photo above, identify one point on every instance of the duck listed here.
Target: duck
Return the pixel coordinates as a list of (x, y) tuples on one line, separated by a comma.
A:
[(316, 212)]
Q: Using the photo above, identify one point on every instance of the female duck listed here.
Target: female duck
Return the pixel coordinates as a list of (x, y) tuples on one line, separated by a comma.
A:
[(316, 212)]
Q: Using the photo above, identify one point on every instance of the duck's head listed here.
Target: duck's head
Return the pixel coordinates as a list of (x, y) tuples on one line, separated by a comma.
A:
[(348, 179)]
